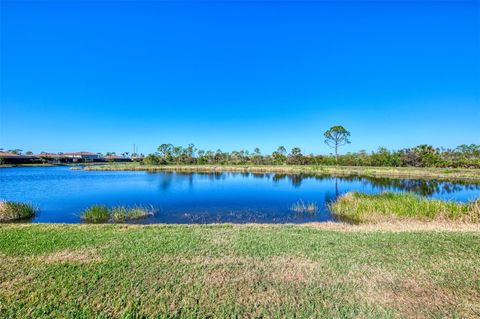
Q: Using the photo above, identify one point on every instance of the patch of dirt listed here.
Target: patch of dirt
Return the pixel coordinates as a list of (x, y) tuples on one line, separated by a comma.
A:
[(415, 295), (398, 226), (76, 256)]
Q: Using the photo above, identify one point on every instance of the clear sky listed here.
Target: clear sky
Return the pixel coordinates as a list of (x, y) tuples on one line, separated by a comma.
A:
[(101, 76)]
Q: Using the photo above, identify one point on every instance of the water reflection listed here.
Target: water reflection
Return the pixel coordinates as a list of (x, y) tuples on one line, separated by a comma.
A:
[(420, 187)]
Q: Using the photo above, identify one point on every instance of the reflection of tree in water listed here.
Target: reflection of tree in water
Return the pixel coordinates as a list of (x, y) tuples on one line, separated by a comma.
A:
[(295, 179), (419, 186), (278, 177), (260, 175), (422, 187), (166, 180)]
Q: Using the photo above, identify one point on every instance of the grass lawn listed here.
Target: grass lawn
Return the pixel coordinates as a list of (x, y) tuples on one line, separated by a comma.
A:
[(226, 271), (367, 171)]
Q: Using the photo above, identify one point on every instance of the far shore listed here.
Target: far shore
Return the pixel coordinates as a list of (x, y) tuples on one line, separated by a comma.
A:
[(365, 171)]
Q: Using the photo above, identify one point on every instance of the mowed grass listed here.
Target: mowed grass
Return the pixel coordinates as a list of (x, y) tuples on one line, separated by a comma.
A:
[(227, 271), (365, 208)]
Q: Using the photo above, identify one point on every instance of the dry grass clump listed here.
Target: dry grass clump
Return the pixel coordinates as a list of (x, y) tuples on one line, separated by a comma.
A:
[(364, 208), (11, 211), (304, 207)]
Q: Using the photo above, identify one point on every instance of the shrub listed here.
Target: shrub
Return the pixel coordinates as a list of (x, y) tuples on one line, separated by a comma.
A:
[(10, 211)]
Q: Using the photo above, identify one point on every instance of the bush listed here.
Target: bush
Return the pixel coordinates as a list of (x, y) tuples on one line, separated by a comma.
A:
[(10, 211)]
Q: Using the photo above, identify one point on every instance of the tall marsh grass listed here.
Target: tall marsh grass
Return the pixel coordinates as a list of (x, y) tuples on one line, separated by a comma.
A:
[(11, 211), (118, 214), (363, 208), (123, 213), (96, 214)]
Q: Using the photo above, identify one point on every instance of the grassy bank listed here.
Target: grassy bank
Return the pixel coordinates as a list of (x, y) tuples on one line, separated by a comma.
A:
[(223, 271), (393, 172), (364, 208)]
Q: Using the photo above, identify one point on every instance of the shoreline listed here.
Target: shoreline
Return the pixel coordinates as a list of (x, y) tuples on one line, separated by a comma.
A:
[(340, 171), (393, 226)]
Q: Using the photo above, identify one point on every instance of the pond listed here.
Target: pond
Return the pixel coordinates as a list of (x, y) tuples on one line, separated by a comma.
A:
[(61, 194)]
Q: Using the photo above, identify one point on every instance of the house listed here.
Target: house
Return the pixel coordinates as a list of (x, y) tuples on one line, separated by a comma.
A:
[(82, 156), (12, 158), (117, 158)]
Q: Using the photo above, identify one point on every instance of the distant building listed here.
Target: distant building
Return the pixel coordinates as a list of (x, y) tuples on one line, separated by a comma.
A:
[(82, 156), (117, 158), (12, 158)]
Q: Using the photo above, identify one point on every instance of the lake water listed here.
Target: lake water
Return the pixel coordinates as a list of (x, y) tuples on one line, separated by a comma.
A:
[(61, 194)]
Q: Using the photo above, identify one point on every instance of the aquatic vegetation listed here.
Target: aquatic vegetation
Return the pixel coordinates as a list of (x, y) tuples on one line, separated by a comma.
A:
[(96, 214), (118, 214), (123, 213), (305, 207), (10, 211), (364, 208)]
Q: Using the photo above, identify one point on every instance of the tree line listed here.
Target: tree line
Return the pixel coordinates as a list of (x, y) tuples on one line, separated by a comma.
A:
[(463, 156)]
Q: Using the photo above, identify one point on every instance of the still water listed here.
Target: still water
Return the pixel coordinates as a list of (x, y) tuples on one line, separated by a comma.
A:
[(61, 194)]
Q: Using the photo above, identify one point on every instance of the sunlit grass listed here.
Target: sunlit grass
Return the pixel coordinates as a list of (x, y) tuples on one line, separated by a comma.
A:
[(364, 208), (11, 211), (236, 271)]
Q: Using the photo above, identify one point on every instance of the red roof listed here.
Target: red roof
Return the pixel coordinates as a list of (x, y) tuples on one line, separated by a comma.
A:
[(7, 154), (48, 155), (80, 153)]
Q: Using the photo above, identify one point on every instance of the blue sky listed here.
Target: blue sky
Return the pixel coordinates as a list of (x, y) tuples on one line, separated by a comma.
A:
[(101, 76)]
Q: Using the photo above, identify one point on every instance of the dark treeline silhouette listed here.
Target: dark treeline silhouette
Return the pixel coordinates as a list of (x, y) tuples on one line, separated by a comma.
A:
[(463, 156)]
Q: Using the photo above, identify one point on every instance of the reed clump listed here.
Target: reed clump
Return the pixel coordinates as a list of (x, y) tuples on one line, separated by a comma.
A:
[(361, 208), (123, 213), (11, 211), (96, 214), (305, 207), (118, 214)]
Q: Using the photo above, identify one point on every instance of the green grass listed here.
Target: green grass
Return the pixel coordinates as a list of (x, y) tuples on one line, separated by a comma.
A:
[(228, 271), (96, 214), (118, 214), (392, 172), (363, 208), (123, 213), (12, 211)]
